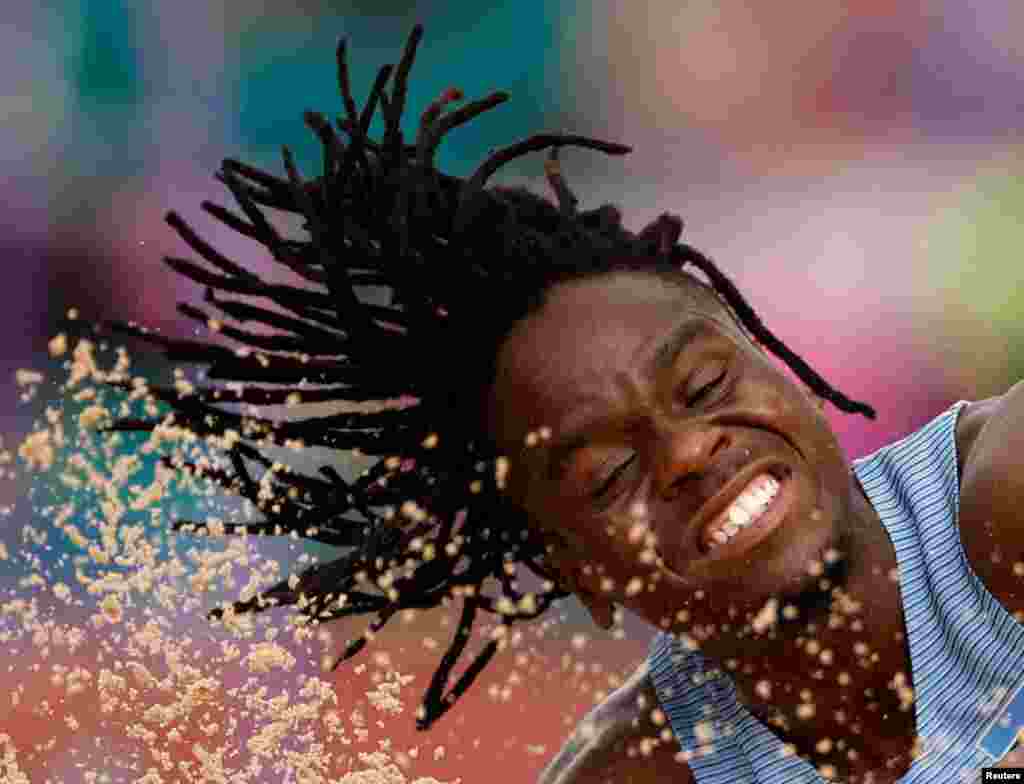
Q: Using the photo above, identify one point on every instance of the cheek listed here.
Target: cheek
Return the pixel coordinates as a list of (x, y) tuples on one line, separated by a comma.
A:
[(796, 414), (624, 548), (609, 558), (788, 404), (776, 402)]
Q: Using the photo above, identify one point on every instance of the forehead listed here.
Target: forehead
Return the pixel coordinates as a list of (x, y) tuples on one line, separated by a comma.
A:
[(627, 291), (586, 335)]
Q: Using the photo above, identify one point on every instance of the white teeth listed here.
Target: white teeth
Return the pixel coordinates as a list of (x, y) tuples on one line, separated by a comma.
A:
[(738, 514), (750, 502), (745, 509)]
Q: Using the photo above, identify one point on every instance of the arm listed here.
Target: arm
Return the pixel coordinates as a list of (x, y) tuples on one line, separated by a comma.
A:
[(598, 751), (1015, 759)]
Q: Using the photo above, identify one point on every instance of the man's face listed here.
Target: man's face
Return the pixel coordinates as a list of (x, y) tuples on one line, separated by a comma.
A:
[(634, 413)]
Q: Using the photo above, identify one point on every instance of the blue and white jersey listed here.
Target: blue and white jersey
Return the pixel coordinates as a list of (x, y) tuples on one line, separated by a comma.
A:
[(966, 649)]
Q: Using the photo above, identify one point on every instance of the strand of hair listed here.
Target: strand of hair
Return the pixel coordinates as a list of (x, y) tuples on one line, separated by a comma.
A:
[(244, 312), (393, 117), (567, 200), (207, 251), (265, 342), (747, 315)]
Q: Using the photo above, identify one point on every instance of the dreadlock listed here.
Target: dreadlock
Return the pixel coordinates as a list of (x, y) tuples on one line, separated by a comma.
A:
[(463, 262)]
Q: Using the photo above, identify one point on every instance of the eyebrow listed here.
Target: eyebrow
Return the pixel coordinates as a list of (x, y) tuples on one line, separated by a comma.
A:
[(678, 340), (664, 356)]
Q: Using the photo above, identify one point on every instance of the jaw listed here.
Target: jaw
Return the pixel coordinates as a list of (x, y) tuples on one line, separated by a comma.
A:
[(789, 571)]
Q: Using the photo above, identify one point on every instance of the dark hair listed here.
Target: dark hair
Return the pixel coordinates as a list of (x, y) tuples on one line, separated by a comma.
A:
[(463, 262)]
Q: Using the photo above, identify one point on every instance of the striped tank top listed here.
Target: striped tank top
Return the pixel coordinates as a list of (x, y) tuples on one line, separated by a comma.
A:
[(966, 649)]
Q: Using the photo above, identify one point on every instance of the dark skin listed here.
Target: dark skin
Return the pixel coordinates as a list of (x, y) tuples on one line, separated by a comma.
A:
[(646, 444)]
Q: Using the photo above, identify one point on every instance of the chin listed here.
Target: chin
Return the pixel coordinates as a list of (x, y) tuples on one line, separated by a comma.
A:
[(779, 567), (782, 570)]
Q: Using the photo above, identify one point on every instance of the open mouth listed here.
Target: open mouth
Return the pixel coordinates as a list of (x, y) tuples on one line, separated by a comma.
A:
[(750, 510)]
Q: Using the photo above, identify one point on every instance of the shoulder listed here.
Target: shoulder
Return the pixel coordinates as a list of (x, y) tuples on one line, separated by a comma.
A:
[(971, 422), (992, 492), (624, 740), (990, 443)]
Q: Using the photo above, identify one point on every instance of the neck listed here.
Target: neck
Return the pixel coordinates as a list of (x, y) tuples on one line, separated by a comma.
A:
[(840, 669)]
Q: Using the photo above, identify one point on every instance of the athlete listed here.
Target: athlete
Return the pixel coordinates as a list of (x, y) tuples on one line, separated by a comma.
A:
[(605, 409)]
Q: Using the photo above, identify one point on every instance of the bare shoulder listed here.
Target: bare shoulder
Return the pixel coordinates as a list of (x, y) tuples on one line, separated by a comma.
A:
[(990, 436), (624, 740), (969, 426), (992, 492)]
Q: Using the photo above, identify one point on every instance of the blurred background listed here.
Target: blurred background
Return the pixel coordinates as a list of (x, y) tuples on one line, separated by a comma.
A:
[(858, 173)]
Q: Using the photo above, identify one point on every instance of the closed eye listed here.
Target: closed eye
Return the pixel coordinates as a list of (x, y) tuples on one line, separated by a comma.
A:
[(614, 476), (703, 391)]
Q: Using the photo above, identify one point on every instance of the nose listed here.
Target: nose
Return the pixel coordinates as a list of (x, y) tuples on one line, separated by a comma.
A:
[(686, 454)]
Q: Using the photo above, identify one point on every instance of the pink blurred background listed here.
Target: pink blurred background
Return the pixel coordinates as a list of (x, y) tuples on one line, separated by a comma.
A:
[(855, 166)]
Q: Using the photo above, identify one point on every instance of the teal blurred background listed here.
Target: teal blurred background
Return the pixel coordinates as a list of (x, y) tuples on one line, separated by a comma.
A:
[(856, 168)]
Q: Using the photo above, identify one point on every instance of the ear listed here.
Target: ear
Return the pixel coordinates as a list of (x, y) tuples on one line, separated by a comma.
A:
[(602, 610)]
